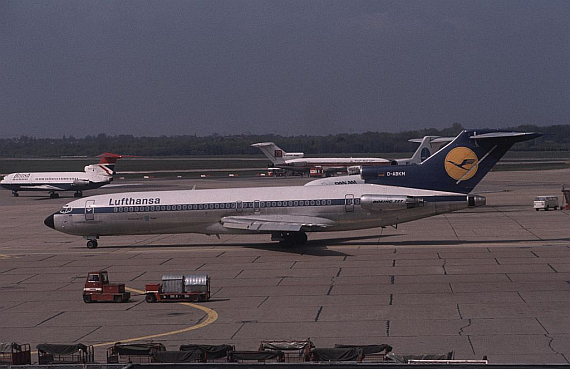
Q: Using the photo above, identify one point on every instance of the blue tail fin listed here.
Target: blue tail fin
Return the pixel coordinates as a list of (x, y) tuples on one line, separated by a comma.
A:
[(458, 167)]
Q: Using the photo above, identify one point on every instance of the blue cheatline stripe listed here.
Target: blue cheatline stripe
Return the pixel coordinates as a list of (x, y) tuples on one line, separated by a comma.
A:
[(246, 205)]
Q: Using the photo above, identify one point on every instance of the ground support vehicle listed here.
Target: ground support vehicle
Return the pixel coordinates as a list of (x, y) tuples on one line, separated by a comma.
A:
[(176, 288), (98, 288), (546, 203), (64, 354), (133, 353), (15, 354)]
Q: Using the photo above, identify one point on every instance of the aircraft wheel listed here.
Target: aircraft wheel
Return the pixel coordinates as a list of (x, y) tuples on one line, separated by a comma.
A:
[(15, 194), (195, 298), (92, 244), (78, 194), (86, 299), (54, 195), (150, 297)]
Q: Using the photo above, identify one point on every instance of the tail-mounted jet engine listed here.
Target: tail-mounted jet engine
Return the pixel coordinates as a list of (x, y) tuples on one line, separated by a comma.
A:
[(390, 202), (476, 200)]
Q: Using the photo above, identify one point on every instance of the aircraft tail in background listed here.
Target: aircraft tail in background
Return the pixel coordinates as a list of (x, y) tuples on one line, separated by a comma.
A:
[(276, 154), (428, 146), (106, 165), (458, 167)]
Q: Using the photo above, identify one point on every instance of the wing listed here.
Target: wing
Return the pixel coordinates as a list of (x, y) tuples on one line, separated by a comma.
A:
[(276, 223)]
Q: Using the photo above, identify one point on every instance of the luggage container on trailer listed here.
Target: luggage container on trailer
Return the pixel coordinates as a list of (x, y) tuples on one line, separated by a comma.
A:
[(189, 287)]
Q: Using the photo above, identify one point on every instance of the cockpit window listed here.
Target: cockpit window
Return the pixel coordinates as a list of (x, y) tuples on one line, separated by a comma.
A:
[(65, 209)]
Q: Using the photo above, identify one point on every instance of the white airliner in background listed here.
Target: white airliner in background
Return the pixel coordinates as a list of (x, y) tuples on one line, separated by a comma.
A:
[(438, 185), (317, 167), (93, 176)]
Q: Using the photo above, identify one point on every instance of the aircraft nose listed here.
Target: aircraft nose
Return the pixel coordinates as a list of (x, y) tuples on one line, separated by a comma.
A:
[(49, 222)]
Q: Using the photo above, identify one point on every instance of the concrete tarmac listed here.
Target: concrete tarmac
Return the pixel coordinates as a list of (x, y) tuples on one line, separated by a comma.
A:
[(491, 281)]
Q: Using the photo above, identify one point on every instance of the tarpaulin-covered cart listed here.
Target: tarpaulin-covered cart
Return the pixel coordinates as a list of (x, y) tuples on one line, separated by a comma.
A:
[(15, 354), (64, 354)]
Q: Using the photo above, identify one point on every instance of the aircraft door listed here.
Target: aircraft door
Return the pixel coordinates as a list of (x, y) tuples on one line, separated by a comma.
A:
[(239, 206), (256, 206), (349, 203), (90, 210)]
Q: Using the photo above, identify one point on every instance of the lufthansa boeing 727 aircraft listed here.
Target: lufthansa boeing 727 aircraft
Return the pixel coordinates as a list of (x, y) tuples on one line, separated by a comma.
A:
[(436, 186), (94, 176)]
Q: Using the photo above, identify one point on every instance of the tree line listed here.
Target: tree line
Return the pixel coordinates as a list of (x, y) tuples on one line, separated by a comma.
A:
[(556, 138)]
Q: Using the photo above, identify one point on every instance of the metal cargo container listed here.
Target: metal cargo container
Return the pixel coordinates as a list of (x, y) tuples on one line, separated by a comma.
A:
[(196, 282), (173, 283)]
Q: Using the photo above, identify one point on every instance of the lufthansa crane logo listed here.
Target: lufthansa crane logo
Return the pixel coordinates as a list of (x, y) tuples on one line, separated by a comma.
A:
[(459, 162)]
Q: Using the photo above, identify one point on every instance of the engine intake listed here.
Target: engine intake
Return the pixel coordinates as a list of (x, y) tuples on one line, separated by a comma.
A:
[(390, 202)]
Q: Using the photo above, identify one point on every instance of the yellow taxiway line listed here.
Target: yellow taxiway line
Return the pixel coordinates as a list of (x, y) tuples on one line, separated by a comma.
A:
[(212, 317)]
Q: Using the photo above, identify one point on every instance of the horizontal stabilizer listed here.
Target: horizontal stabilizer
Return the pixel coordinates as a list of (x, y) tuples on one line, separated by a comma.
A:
[(512, 136)]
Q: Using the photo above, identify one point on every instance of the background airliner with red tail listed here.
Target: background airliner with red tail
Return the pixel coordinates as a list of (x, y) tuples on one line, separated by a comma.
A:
[(93, 176)]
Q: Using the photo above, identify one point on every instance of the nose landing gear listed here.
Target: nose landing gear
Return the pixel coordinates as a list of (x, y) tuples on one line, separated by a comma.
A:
[(92, 244)]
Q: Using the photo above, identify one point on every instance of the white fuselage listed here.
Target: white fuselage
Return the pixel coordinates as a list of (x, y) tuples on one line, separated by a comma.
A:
[(57, 181), (204, 211), (307, 163)]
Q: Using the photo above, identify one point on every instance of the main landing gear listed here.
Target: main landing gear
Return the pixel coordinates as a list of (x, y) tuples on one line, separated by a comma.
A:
[(92, 244), (15, 193), (288, 239), (53, 195), (78, 194)]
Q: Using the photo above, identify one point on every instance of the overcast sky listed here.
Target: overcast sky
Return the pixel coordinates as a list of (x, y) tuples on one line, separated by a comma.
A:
[(150, 68)]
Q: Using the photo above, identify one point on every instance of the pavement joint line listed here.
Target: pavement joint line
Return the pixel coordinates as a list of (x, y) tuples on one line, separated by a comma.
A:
[(165, 261), (134, 305), (50, 318), (508, 277), (497, 261), (465, 326), (140, 275), (257, 258), (543, 327), (391, 299), (237, 275), (25, 279), (236, 332), (459, 312), (201, 266), (551, 267), (451, 288), (318, 314), (471, 344), (518, 293), (88, 333), (262, 302), (330, 289), (339, 271)]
